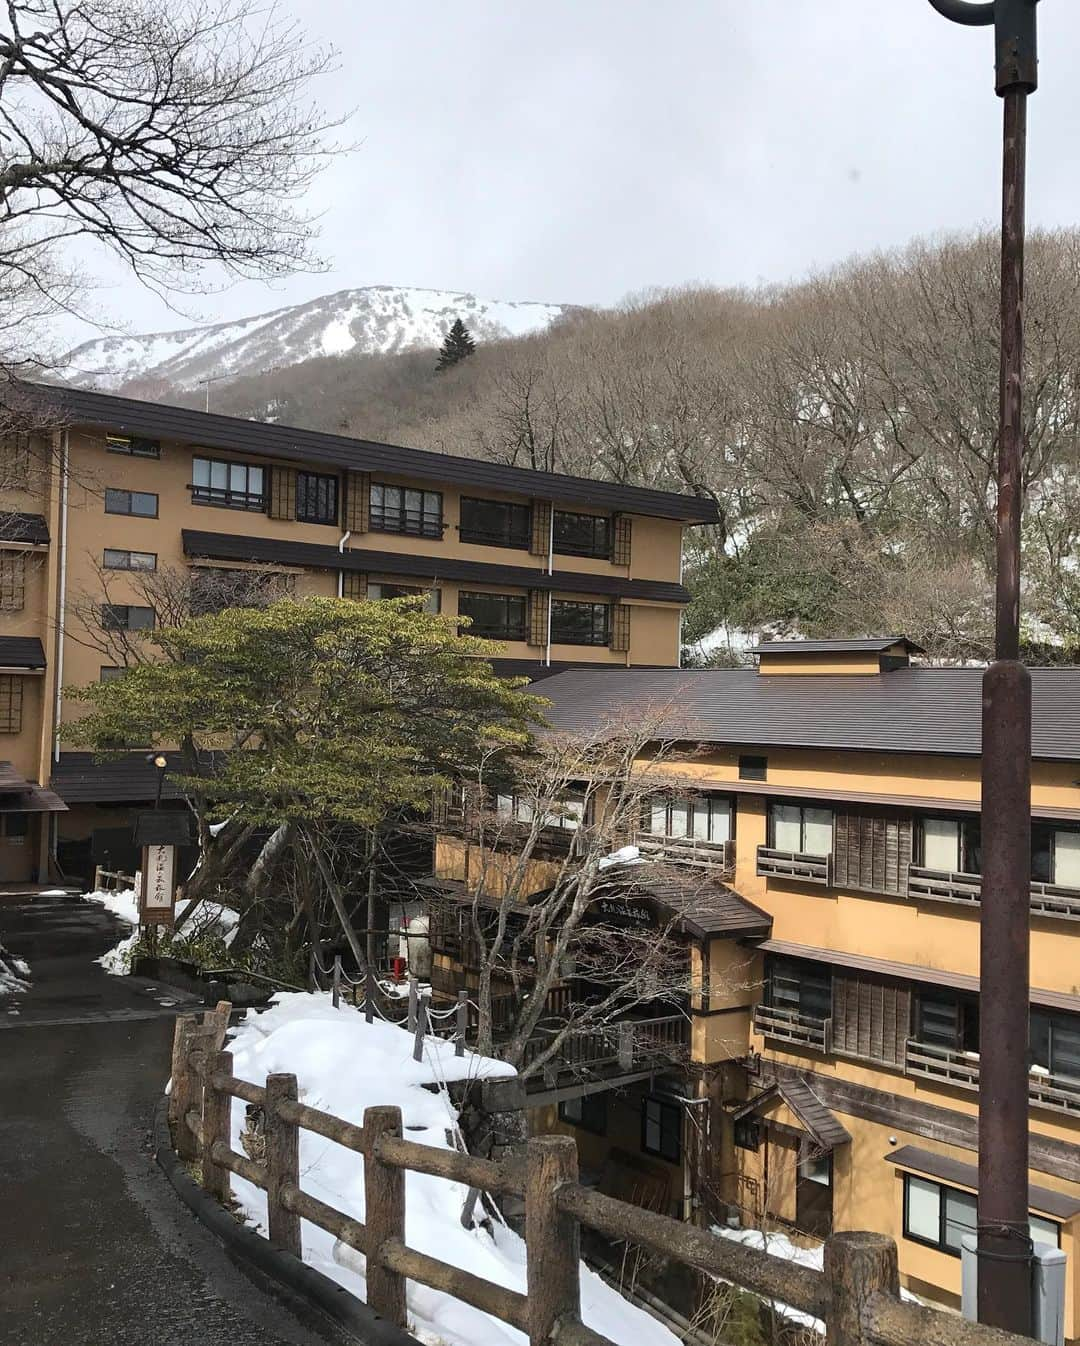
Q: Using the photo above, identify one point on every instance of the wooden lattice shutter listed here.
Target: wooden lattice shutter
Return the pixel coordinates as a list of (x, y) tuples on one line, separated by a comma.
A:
[(872, 851), (355, 585), (621, 540), (870, 1019), (12, 581), (282, 493), (620, 626), (541, 528), (357, 502), (539, 602)]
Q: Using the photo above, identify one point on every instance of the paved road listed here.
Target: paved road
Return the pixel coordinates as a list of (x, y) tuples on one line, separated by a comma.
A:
[(95, 1247)]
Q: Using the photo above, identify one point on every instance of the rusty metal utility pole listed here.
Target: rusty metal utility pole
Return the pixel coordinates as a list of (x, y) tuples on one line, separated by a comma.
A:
[(1003, 1233)]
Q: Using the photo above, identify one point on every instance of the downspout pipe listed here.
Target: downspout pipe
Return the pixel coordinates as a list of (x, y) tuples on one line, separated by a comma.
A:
[(65, 446), (341, 574)]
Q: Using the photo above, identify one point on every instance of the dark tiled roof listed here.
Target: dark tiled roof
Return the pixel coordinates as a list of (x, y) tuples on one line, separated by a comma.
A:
[(19, 795), (319, 555), (21, 652), (702, 905), (934, 1165), (16, 527), (861, 645), (824, 1126), (82, 778), (911, 710), (127, 415), (536, 670)]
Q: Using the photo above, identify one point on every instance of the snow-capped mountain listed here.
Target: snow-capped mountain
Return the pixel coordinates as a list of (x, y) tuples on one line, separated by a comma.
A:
[(375, 319)]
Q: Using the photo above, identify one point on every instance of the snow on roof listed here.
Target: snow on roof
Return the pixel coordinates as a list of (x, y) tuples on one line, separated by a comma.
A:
[(344, 1065)]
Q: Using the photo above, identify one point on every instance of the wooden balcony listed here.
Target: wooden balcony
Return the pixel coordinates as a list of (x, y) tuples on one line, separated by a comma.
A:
[(939, 885), (793, 1030), (715, 855), (795, 865), (628, 1045), (960, 1070)]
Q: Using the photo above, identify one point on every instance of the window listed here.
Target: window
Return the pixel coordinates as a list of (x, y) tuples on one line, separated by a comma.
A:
[(129, 560), (16, 827), (11, 699), (400, 509), (111, 673), (12, 581), (133, 445), (806, 831), (316, 498), (14, 459), (215, 588), (580, 623), (432, 597), (1055, 855), (940, 1216), (951, 845), (126, 617), (802, 989), (495, 616), (582, 534), (661, 1129), (747, 1133), (707, 818), (753, 768), (588, 1112), (949, 1021), (142, 503), (568, 816), (228, 485), (1055, 1044), (497, 523)]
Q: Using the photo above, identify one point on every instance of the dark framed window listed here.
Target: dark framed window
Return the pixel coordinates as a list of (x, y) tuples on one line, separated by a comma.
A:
[(432, 597), (753, 768), (701, 818), (401, 509), (228, 485), (800, 829), (661, 1129), (135, 446), (588, 1112), (126, 617), (495, 523), (115, 559), (580, 623), (1055, 1043), (947, 1020), (141, 503), (803, 989), (11, 703), (111, 672), (16, 827), (940, 1216), (567, 813), (951, 845), (581, 534), (1055, 855), (747, 1133), (316, 498), (495, 616)]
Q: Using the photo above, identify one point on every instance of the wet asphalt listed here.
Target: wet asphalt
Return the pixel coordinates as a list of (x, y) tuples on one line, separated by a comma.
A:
[(95, 1246)]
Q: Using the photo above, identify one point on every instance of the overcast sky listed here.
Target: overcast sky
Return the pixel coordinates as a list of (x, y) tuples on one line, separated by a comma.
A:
[(580, 150)]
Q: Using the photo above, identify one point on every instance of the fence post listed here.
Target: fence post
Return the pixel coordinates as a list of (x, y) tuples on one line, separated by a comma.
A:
[(858, 1265), (626, 1046), (282, 1163), (369, 994), (552, 1238), (384, 1215), (216, 1120), (337, 981), (421, 1029), (461, 1017), (412, 1002), (183, 1091)]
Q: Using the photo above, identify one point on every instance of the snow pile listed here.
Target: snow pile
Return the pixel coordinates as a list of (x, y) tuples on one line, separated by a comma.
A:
[(14, 974), (625, 855), (343, 1066), (209, 917)]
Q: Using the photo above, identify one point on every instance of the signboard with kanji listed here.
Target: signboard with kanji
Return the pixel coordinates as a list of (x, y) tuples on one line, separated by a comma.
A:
[(158, 885)]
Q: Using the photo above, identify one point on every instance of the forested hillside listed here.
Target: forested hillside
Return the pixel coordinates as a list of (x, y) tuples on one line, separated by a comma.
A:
[(846, 427)]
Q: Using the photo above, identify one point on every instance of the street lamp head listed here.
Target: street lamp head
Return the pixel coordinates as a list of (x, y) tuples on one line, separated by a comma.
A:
[(1014, 37), (159, 760)]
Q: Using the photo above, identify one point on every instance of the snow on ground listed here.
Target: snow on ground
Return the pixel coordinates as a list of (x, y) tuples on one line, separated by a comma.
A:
[(125, 906), (14, 974), (343, 1066)]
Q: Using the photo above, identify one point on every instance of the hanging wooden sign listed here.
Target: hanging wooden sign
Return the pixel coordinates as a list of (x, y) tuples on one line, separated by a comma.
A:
[(158, 885)]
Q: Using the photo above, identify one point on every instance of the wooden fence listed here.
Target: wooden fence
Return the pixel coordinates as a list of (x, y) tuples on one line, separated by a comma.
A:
[(857, 1293), (112, 880)]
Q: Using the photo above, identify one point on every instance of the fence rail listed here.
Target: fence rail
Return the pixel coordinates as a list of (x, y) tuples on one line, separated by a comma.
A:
[(857, 1293), (112, 880), (797, 865)]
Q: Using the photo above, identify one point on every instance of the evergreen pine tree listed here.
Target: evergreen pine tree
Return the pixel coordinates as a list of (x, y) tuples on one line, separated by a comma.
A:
[(457, 345)]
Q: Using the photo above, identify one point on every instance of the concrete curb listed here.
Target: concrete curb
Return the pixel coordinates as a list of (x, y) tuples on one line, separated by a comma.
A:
[(287, 1276)]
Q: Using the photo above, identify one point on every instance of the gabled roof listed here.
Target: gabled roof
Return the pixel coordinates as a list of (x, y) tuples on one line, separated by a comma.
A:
[(80, 406), (911, 710), (21, 652), (822, 1124), (860, 645), (700, 904)]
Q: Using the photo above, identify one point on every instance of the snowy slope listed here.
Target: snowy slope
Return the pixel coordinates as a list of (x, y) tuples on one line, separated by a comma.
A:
[(377, 319)]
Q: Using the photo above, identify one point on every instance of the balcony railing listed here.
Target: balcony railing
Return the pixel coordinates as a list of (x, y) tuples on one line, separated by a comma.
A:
[(1046, 899), (632, 1044), (718, 855), (960, 1070), (793, 1029), (803, 868)]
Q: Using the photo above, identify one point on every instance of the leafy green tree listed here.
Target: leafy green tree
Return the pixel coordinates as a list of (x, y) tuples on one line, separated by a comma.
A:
[(301, 718), (457, 345)]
